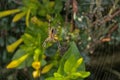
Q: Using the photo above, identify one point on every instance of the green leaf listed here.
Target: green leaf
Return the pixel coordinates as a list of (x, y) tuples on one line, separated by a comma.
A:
[(57, 75), (84, 74), (42, 12), (77, 65), (18, 54), (81, 74), (26, 63), (51, 50), (69, 64), (34, 30), (52, 78), (75, 75), (72, 51), (58, 6), (43, 62), (28, 39)]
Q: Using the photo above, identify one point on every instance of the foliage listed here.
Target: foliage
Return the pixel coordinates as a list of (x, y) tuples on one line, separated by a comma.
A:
[(37, 40), (56, 35), (71, 66)]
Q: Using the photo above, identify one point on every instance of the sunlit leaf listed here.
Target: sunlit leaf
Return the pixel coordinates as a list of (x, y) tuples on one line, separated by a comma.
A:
[(52, 78), (79, 75), (46, 68), (18, 16), (11, 48), (57, 75), (8, 12), (27, 17), (69, 64), (72, 51), (17, 62), (26, 63)]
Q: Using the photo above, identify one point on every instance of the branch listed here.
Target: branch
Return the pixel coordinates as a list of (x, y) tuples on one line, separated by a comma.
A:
[(67, 4), (74, 13), (115, 27), (107, 18)]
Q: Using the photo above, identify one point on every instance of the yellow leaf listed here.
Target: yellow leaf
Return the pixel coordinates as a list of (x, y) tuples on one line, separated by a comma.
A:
[(27, 17), (8, 12), (16, 63), (21, 59), (36, 65), (46, 68), (13, 64), (79, 61), (11, 48), (36, 73), (18, 16)]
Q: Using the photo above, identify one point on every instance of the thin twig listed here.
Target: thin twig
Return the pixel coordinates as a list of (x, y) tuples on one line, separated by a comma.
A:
[(115, 27), (107, 18), (74, 13), (113, 7), (67, 4)]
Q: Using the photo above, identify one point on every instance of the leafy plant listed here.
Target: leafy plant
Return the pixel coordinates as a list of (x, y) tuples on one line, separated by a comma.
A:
[(71, 66), (42, 41)]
